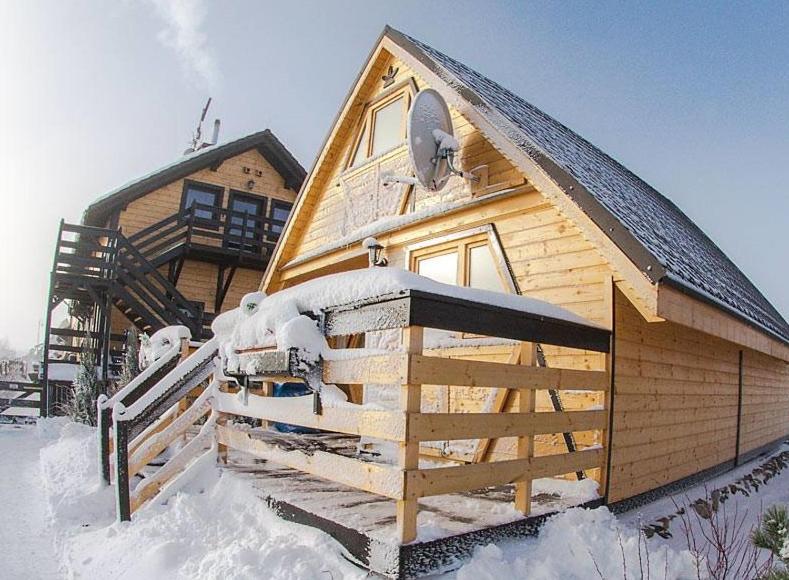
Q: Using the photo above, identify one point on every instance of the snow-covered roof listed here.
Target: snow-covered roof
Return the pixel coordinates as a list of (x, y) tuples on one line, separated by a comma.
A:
[(649, 228), (264, 141)]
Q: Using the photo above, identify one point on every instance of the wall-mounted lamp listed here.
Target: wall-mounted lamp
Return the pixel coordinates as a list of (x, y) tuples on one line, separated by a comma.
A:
[(374, 252)]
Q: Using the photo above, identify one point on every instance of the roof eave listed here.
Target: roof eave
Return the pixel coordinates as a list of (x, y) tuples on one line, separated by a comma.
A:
[(275, 153)]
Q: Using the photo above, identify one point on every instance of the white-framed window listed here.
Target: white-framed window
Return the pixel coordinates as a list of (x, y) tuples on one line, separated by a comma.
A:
[(383, 125), (465, 261)]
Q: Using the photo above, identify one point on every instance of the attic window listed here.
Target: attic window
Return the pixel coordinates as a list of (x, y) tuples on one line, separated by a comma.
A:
[(383, 124)]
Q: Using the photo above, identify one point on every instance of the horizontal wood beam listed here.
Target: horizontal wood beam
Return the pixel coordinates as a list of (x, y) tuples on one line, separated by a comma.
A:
[(426, 370), (418, 369), (350, 419), (373, 477), (442, 480), (449, 426), (379, 370)]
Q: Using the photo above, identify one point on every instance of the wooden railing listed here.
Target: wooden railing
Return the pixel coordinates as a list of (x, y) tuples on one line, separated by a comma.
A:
[(408, 372), (231, 231), (153, 420)]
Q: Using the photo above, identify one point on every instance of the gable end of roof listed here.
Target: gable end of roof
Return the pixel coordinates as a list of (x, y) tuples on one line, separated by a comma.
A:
[(265, 142), (649, 229)]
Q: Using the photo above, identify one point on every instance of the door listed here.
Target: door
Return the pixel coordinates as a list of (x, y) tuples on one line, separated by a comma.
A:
[(245, 223)]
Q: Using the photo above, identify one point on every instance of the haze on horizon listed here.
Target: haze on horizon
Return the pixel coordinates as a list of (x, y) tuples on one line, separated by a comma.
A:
[(692, 98)]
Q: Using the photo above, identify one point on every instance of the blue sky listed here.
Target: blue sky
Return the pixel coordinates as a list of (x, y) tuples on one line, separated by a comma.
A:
[(692, 97)]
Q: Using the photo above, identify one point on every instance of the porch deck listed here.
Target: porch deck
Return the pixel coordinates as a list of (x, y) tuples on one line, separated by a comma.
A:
[(365, 524)]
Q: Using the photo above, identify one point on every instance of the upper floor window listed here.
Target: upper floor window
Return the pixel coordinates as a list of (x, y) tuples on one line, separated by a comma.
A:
[(278, 213), (202, 195), (383, 125)]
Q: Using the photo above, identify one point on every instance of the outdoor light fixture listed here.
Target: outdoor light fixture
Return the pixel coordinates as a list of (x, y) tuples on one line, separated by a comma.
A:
[(374, 252)]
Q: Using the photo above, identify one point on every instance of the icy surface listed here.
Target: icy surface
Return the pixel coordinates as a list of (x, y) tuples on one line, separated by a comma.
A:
[(660, 226)]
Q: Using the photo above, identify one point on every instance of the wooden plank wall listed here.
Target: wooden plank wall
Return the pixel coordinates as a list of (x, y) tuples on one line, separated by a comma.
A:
[(327, 205), (198, 279), (765, 404), (166, 201), (675, 403)]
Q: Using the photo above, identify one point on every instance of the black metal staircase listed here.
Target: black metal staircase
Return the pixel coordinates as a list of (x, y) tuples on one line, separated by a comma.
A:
[(96, 269)]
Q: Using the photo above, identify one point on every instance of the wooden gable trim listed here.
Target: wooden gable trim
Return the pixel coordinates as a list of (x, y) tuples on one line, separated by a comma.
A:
[(312, 183), (679, 307)]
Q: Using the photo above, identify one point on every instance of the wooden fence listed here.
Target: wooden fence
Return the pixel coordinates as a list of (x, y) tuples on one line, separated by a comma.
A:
[(409, 371)]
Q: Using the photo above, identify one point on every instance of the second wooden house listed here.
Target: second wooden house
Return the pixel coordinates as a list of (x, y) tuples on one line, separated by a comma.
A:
[(176, 246)]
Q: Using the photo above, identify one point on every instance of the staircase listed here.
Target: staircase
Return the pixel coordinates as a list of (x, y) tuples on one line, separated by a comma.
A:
[(94, 270), (98, 269)]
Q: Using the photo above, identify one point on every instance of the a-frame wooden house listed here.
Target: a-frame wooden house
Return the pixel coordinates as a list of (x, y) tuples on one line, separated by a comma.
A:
[(700, 373), (647, 361)]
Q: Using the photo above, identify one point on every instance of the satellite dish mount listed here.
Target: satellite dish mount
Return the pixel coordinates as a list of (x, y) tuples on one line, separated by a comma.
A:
[(431, 144)]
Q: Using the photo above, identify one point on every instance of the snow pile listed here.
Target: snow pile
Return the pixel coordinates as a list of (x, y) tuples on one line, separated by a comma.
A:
[(445, 141), (579, 543), (278, 319), (216, 527), (69, 468), (162, 343)]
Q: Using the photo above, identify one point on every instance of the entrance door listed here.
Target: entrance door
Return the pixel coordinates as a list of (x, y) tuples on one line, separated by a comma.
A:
[(245, 226)]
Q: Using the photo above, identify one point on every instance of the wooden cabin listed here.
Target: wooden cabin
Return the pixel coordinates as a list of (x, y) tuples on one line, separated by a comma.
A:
[(664, 364), (700, 372), (176, 246)]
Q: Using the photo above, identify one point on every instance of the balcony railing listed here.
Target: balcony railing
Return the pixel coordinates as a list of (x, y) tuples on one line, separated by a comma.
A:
[(209, 228)]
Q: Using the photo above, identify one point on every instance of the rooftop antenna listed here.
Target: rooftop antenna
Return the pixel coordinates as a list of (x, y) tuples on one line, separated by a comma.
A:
[(431, 144), (197, 137)]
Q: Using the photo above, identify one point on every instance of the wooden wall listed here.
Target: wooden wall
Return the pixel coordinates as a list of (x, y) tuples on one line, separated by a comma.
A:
[(675, 403), (166, 201), (198, 279), (765, 402), (344, 200)]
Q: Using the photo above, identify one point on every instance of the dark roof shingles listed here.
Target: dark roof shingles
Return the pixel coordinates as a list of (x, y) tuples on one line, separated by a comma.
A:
[(687, 254)]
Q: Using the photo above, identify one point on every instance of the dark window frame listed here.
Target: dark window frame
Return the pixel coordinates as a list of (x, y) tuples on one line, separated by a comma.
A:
[(278, 204), (218, 190)]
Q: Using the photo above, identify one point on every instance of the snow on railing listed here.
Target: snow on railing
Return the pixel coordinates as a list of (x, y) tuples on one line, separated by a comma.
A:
[(199, 357), (161, 350), (165, 345)]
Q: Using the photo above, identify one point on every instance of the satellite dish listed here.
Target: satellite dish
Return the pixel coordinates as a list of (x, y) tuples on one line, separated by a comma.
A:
[(431, 144), (429, 112)]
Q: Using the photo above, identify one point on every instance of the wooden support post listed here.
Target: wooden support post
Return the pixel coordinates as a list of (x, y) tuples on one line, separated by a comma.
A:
[(221, 448), (104, 420), (408, 456), (122, 493), (267, 390), (526, 404), (609, 296)]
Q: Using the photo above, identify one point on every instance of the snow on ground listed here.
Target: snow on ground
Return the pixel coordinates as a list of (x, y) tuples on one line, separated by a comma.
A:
[(26, 540), (62, 525), (745, 510)]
